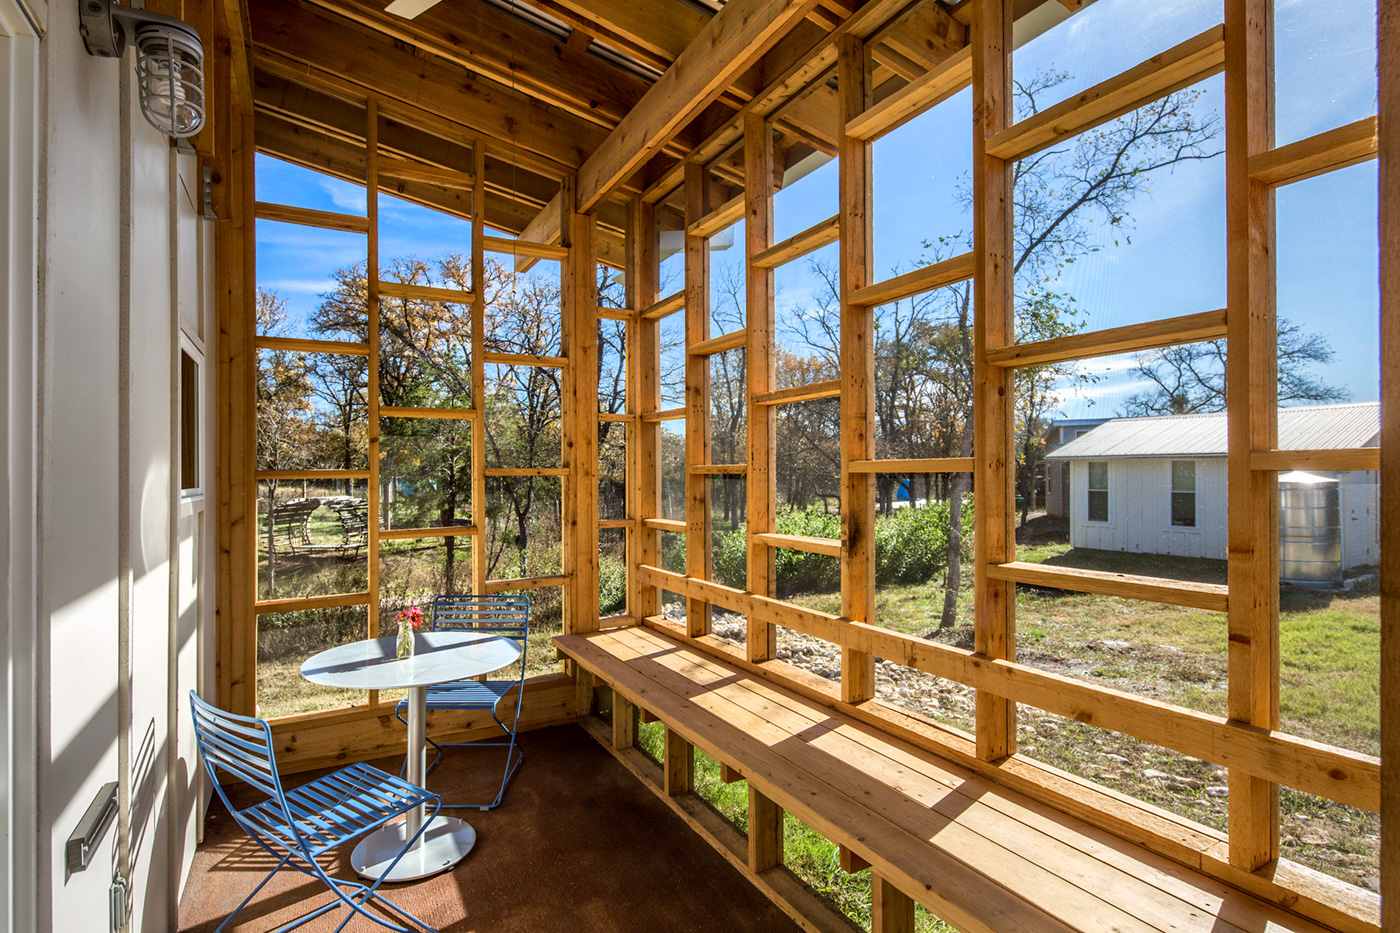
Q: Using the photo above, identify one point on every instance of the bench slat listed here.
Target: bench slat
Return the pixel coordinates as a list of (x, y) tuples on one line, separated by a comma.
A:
[(980, 855)]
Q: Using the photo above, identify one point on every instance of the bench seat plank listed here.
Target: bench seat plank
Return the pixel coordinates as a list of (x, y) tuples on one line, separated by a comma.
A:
[(983, 857)]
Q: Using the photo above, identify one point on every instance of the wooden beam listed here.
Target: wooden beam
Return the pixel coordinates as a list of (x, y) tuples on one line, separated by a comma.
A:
[(643, 394), (306, 345), (1180, 66), (1388, 134), (698, 557), (856, 202), (412, 292), (715, 345), (1362, 458), (326, 220), (298, 604), (678, 760), (524, 583), (665, 306), (726, 215), (765, 832), (728, 44), (993, 291), (1208, 596), (1252, 419), (916, 97), (915, 282), (817, 390), (891, 910), (831, 547), (924, 465), (1188, 328), (430, 174), (418, 534), (716, 469), (480, 562), (850, 861), (447, 414), (349, 54), (1325, 152), (822, 233), (653, 31), (624, 722)]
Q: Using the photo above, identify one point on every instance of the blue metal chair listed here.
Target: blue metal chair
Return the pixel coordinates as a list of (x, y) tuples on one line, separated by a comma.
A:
[(299, 826), (508, 616)]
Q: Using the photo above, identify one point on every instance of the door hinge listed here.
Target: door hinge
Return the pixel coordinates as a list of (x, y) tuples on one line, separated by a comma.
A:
[(119, 900)]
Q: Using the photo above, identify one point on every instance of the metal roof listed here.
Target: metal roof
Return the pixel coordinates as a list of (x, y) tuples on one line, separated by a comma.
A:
[(1312, 427)]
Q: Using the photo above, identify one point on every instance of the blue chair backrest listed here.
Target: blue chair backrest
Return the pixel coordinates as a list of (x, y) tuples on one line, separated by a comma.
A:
[(508, 616), (239, 746)]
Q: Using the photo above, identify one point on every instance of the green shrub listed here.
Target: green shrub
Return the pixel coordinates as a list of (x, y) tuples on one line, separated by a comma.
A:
[(612, 585)]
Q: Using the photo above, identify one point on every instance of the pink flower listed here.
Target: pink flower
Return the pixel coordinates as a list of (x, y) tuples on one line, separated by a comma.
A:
[(413, 615)]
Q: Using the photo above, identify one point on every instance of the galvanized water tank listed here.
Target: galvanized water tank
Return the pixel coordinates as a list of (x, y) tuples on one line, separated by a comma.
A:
[(1309, 529)]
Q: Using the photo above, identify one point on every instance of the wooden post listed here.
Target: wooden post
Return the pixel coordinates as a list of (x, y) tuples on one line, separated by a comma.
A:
[(698, 558), (1389, 147), (372, 363), (643, 394), (678, 764), (478, 363), (236, 566), (761, 499), (993, 420), (580, 341), (765, 832), (624, 721), (857, 370), (1252, 401), (891, 910)]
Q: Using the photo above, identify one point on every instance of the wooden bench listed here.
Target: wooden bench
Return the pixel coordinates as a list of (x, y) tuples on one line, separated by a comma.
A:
[(979, 855), (290, 525)]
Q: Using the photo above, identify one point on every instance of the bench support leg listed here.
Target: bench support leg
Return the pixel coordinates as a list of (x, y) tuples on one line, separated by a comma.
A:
[(891, 910), (584, 699), (850, 862), (765, 832), (624, 721), (679, 762), (729, 775)]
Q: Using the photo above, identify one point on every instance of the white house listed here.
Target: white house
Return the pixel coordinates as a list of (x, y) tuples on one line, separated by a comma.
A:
[(1057, 479), (1158, 485)]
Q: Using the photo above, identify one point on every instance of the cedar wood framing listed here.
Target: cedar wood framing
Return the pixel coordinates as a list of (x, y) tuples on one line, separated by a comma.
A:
[(679, 152)]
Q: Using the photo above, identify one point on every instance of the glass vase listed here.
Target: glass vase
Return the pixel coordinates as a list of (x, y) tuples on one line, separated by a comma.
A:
[(404, 647)]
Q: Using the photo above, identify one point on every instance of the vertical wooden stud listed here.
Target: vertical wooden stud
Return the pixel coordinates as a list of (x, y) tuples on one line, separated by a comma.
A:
[(1252, 397), (643, 394), (678, 764), (765, 832), (580, 417), (478, 363), (857, 369), (1388, 53), (624, 721), (698, 557), (761, 499), (891, 910), (372, 364), (993, 420)]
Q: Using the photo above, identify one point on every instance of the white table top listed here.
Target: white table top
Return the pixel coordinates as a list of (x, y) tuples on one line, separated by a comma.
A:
[(439, 657)]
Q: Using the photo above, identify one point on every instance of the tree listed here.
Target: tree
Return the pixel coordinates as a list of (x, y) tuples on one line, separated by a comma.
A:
[(1191, 378)]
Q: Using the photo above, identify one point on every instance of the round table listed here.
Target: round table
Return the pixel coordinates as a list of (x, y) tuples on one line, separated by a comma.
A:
[(439, 657)]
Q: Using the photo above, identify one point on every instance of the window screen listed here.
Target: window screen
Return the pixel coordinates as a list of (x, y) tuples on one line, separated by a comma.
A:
[(1098, 491)]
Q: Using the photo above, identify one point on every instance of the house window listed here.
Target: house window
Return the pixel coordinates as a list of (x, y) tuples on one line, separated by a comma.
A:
[(1184, 493), (1098, 490), (189, 423)]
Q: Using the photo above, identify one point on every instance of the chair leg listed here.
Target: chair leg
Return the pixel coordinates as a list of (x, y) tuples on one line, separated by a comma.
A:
[(371, 893)]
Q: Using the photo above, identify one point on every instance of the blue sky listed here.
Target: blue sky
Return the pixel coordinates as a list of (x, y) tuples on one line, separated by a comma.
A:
[(1172, 262)]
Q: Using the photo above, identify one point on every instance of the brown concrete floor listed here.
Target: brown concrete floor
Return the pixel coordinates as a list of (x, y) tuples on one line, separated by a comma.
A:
[(578, 845)]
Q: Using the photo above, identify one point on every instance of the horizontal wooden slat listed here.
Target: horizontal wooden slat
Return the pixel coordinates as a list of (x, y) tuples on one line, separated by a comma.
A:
[(1188, 328), (924, 465), (1353, 458), (615, 314), (666, 306), (1325, 152), (829, 389), (615, 523), (727, 214), (617, 418), (414, 534), (412, 292), (827, 546), (916, 97), (915, 282), (1180, 66), (310, 474), (523, 359), (664, 524), (454, 414), (799, 244), (302, 345), (717, 469), (1337, 774), (1210, 596), (524, 583), (340, 600), (326, 220), (730, 341), (429, 174), (667, 414), (497, 244), (525, 471)]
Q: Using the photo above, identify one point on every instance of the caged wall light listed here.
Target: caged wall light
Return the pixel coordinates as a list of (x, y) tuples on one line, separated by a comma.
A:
[(169, 60)]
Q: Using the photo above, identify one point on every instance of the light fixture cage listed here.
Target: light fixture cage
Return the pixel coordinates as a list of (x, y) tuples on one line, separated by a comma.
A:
[(169, 61)]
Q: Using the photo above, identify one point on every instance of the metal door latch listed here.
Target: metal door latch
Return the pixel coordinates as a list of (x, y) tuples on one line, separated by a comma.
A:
[(83, 842)]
